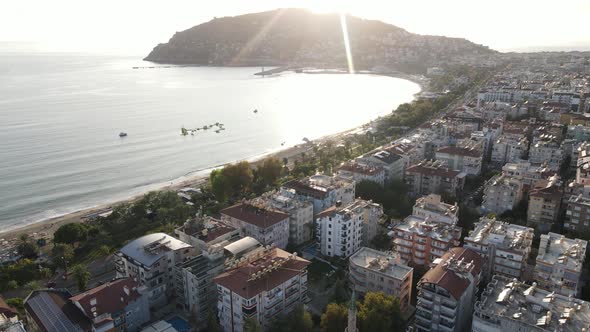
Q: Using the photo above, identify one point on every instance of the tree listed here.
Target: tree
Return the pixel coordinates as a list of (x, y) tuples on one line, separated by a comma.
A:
[(12, 284), (16, 302), (381, 241), (334, 319), (212, 324), (251, 325), (219, 185), (270, 171), (82, 276), (71, 233), (62, 254), (298, 320), (27, 250), (379, 312)]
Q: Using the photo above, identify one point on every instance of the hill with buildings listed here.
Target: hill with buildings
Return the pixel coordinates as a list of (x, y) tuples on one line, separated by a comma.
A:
[(301, 38)]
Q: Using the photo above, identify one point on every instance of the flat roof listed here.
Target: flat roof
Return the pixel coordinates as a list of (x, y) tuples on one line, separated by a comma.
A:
[(380, 262), (148, 249)]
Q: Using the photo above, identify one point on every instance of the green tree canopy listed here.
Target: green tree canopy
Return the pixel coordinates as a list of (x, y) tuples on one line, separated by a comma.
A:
[(270, 171), (27, 249), (251, 325), (82, 276), (335, 318), (379, 313), (71, 233), (60, 252)]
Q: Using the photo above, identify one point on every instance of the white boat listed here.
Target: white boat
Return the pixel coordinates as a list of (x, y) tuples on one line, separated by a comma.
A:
[(122, 134)]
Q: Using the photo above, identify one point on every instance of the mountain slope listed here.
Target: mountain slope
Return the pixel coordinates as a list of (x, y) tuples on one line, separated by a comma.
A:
[(299, 37)]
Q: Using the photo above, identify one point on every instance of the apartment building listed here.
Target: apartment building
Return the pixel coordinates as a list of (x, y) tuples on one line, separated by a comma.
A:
[(323, 191), (150, 259), (511, 305), (509, 150), (505, 247), (118, 305), (390, 160), (501, 193), (547, 153), (559, 263), (467, 159), (526, 172), (446, 292), (544, 203), (583, 164), (204, 232), (371, 270), (420, 240), (577, 214), (300, 212), (262, 287), (432, 207), (363, 172), (429, 177), (343, 229), (258, 221)]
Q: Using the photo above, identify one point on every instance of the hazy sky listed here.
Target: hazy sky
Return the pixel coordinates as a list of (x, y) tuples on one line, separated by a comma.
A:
[(135, 26)]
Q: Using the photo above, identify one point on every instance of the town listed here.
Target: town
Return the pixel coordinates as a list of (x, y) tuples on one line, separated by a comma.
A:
[(465, 210)]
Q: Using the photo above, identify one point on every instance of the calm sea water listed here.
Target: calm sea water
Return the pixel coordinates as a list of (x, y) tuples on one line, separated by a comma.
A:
[(60, 116)]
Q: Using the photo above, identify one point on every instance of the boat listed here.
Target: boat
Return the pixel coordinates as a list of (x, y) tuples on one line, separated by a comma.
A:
[(217, 131), (256, 111), (122, 134)]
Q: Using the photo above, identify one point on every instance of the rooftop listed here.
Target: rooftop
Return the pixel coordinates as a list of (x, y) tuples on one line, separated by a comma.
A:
[(206, 229), (527, 304), (451, 273), (557, 249), (257, 215), (382, 262), (461, 151), (434, 203), (53, 312), (501, 234), (348, 211), (148, 249), (361, 168), (431, 168), (108, 298), (428, 228), (317, 185), (261, 272)]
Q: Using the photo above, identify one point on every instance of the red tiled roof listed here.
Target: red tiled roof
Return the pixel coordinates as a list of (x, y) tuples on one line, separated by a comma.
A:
[(7, 310), (302, 188), (447, 278), (253, 215), (110, 297), (329, 211), (237, 279)]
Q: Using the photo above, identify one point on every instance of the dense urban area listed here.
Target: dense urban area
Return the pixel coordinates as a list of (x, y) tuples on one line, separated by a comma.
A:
[(467, 209)]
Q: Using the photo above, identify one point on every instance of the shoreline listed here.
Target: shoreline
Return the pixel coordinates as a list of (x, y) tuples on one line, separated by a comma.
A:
[(46, 227)]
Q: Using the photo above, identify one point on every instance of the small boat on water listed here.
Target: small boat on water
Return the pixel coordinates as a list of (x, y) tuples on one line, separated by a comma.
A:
[(122, 134), (218, 131), (256, 111)]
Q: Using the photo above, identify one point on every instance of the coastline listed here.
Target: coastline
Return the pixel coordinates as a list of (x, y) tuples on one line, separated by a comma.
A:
[(46, 227)]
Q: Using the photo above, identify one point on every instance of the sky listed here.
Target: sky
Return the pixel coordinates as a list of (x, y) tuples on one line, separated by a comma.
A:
[(136, 26)]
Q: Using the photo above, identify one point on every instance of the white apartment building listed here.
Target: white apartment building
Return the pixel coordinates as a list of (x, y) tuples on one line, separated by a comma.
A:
[(465, 159), (323, 191), (508, 150), (545, 203), (422, 240), (362, 172), (300, 212), (510, 305), (446, 292), (371, 270), (505, 247), (559, 264), (393, 164), (343, 229), (432, 207), (150, 259), (547, 153), (264, 286), (526, 172), (265, 225), (577, 215), (501, 193)]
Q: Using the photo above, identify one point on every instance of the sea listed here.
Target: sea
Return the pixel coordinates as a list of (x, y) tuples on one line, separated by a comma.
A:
[(61, 115)]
